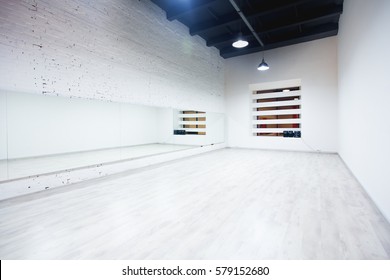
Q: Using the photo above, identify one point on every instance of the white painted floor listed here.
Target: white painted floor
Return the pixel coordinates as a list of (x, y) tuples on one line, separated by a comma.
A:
[(19, 168), (227, 204)]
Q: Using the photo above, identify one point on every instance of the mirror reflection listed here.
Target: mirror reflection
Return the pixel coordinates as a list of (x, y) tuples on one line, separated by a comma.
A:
[(45, 134)]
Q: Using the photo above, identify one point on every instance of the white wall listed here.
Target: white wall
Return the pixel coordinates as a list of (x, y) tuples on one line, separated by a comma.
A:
[(315, 63), (3, 126), (45, 125), (118, 50), (364, 96)]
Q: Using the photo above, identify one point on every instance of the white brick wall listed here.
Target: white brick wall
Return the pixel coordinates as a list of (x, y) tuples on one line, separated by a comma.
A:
[(117, 50)]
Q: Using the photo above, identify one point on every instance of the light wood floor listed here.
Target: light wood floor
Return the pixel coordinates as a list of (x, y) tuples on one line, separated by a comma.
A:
[(227, 204)]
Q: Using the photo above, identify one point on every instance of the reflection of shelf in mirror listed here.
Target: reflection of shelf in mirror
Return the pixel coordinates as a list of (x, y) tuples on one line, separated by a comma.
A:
[(193, 115), (191, 123), (179, 132), (195, 130)]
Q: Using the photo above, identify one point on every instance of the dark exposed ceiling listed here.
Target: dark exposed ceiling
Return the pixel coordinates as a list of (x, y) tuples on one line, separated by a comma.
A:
[(277, 23)]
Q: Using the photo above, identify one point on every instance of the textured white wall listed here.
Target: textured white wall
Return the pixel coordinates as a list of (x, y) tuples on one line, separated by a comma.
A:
[(3, 126), (45, 125), (364, 96), (119, 50), (315, 63)]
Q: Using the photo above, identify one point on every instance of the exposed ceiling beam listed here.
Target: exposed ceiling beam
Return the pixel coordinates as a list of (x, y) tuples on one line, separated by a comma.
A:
[(323, 31), (176, 14), (212, 13), (228, 38), (248, 24), (332, 12), (235, 18), (229, 29), (223, 21)]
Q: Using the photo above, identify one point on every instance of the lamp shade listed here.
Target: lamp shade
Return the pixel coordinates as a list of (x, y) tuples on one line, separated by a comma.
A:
[(263, 66), (240, 42)]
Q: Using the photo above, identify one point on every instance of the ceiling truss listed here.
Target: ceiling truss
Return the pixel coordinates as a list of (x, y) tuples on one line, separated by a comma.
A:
[(275, 23)]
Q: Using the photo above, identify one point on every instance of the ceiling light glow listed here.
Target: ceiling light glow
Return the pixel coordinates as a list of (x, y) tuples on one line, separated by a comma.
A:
[(240, 44)]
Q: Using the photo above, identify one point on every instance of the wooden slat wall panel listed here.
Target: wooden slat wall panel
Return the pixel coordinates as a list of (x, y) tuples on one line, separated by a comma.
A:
[(277, 95), (273, 130), (277, 104), (277, 121), (277, 112)]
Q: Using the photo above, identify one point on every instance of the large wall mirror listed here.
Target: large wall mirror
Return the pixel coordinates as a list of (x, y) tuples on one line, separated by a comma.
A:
[(45, 134)]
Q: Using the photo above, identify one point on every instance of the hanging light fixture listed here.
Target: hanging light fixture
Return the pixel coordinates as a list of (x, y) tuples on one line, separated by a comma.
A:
[(240, 42), (263, 66)]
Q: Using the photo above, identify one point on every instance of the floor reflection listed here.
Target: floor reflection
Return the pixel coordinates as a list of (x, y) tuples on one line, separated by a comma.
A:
[(19, 168)]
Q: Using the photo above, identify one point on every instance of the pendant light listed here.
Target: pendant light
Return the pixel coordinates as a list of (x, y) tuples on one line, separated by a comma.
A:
[(263, 66), (240, 42)]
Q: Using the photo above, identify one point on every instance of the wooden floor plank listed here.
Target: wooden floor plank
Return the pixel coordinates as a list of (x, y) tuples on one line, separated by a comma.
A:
[(226, 204)]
